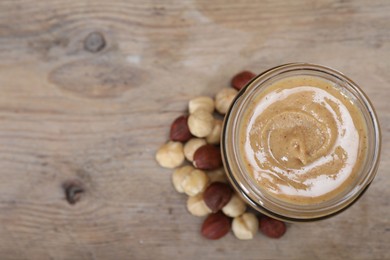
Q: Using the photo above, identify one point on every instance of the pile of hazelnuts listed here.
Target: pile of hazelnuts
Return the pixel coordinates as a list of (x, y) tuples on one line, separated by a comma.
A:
[(194, 152)]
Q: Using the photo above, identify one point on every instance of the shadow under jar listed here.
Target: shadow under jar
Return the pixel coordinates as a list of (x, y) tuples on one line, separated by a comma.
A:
[(301, 142)]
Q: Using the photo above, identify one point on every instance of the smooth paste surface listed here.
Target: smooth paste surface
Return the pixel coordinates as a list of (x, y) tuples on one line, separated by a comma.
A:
[(302, 140)]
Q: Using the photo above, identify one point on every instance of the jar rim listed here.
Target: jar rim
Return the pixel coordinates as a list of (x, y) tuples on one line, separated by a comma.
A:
[(286, 211)]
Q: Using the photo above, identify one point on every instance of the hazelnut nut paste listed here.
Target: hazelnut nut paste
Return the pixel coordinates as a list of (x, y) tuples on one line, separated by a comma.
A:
[(303, 140)]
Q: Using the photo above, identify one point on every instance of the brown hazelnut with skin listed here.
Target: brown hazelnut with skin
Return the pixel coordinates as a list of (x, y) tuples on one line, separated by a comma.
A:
[(217, 195), (241, 79), (215, 226), (272, 228), (179, 130), (207, 157)]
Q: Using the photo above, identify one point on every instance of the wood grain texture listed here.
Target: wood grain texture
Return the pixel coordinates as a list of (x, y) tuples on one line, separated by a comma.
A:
[(98, 117)]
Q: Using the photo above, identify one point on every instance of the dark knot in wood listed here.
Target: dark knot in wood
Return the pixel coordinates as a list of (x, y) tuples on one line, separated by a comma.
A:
[(94, 42), (73, 189)]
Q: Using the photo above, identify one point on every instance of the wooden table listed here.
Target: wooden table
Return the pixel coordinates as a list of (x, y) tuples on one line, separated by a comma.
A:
[(88, 92)]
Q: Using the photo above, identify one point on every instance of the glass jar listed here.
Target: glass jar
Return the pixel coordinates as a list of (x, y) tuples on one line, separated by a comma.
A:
[(247, 187)]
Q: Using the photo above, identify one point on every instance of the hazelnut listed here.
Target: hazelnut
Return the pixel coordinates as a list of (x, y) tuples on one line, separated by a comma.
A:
[(202, 102), (235, 207), (245, 226), (217, 195), (215, 136), (179, 175), (196, 206), (191, 146), (179, 130), (201, 123), (207, 157), (216, 226), (241, 79), (195, 182), (170, 155), (218, 175), (224, 98), (272, 228)]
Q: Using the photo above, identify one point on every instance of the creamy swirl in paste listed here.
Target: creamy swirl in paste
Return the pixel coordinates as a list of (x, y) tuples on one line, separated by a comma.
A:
[(303, 141)]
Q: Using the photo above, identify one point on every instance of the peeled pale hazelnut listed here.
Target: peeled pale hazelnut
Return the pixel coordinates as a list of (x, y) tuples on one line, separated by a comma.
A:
[(201, 123), (215, 136), (217, 195), (207, 157), (191, 146), (170, 155), (217, 175), (179, 130), (241, 79), (196, 206), (202, 102), (245, 226), (216, 226), (179, 175), (195, 183), (235, 207), (224, 98)]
